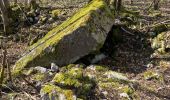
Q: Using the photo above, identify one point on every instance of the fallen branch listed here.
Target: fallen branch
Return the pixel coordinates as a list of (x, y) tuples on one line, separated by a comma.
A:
[(29, 83), (3, 65), (9, 72), (167, 22), (29, 96), (127, 31), (9, 88)]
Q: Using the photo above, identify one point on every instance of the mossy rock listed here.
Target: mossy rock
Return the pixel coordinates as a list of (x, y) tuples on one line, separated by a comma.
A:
[(103, 73), (70, 82), (161, 42), (54, 92), (73, 82), (39, 77), (74, 78), (55, 13), (43, 19), (112, 83), (148, 75), (77, 81), (84, 33)]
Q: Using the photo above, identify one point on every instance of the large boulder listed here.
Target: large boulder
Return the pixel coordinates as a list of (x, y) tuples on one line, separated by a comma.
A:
[(80, 35)]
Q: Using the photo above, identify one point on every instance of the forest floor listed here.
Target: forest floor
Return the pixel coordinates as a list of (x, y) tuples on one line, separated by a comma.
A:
[(132, 56)]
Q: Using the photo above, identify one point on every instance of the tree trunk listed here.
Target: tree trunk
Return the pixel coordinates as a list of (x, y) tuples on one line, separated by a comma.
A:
[(32, 4), (4, 8), (6, 3), (156, 4), (119, 4), (131, 2), (115, 4), (15, 1)]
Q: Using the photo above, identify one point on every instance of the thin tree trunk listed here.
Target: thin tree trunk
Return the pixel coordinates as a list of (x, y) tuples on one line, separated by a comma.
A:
[(115, 4), (6, 3), (15, 1), (131, 2), (4, 7), (156, 4), (4, 52), (119, 5)]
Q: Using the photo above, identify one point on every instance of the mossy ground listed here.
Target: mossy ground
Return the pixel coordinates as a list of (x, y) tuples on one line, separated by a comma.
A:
[(77, 80)]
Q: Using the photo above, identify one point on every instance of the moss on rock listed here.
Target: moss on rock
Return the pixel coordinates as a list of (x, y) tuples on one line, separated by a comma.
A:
[(161, 42), (74, 81), (62, 44), (74, 77), (54, 91), (152, 75), (55, 13)]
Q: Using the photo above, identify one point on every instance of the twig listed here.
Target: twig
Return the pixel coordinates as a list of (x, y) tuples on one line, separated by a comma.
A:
[(164, 22), (9, 88), (29, 96), (23, 13), (147, 8), (127, 31), (4, 52), (29, 83), (9, 72)]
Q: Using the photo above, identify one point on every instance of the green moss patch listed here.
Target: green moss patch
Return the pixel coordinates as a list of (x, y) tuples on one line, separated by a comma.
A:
[(55, 91), (148, 75), (74, 78)]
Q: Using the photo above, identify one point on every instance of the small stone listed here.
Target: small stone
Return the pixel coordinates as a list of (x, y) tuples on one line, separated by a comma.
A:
[(92, 67), (124, 95), (149, 65), (36, 19), (38, 85), (91, 76), (31, 20), (53, 95), (62, 97), (98, 58), (152, 34), (41, 69), (105, 93), (37, 11), (74, 97), (45, 96), (116, 75), (51, 20), (117, 21), (54, 67)]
